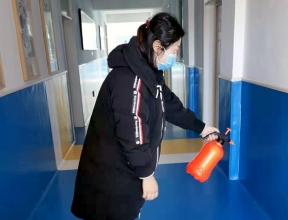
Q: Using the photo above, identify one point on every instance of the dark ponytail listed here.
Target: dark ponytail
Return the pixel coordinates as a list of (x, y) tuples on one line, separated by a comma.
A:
[(163, 27), (141, 33)]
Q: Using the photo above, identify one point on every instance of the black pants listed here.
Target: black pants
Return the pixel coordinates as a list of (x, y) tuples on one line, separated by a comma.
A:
[(116, 207)]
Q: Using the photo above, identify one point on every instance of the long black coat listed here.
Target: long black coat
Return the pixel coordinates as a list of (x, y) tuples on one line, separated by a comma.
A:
[(123, 141)]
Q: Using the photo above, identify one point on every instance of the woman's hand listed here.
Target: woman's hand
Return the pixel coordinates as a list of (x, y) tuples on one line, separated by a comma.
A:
[(207, 130), (150, 188)]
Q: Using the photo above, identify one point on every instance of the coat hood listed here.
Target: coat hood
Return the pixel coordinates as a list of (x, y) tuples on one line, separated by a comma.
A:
[(129, 55)]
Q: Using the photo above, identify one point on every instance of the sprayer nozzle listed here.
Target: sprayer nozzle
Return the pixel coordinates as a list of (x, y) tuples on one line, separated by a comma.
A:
[(227, 131)]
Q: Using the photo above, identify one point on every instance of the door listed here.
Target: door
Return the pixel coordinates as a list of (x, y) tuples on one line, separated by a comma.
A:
[(67, 21)]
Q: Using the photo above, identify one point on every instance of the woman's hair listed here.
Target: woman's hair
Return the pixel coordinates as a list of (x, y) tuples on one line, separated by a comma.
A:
[(163, 27)]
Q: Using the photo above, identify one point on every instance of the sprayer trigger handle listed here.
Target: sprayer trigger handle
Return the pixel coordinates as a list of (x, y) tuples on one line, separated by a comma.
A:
[(214, 132)]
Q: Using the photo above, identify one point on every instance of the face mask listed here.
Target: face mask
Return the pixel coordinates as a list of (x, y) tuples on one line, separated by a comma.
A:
[(170, 61)]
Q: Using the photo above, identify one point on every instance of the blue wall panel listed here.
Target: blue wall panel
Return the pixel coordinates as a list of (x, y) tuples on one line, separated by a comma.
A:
[(224, 119), (264, 149), (26, 151), (235, 125)]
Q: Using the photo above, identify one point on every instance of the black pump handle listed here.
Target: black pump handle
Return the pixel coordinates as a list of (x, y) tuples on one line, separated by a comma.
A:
[(222, 137)]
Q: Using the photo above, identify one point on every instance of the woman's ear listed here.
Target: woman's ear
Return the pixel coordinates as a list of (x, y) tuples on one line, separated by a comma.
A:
[(157, 47)]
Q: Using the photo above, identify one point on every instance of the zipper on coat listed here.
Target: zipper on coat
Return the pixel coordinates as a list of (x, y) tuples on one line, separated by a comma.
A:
[(159, 87), (157, 159)]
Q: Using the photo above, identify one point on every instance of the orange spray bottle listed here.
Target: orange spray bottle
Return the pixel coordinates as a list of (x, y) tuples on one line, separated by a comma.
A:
[(208, 157)]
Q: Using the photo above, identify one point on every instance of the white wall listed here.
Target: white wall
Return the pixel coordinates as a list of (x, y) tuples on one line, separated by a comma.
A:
[(227, 38), (266, 43), (209, 64), (9, 46), (198, 32), (232, 39), (239, 38), (116, 34), (125, 4), (189, 38), (128, 17), (254, 42)]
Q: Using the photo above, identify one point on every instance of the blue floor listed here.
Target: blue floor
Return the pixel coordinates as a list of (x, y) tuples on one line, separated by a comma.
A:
[(180, 198)]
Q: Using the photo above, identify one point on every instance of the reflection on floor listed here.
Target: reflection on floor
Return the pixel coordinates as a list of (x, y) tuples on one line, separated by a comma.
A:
[(172, 147), (176, 147), (173, 151), (181, 198)]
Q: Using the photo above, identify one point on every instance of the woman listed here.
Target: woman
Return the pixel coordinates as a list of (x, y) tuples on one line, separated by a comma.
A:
[(123, 142)]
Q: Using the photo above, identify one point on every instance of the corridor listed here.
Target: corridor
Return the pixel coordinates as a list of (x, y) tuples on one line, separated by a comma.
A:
[(231, 70)]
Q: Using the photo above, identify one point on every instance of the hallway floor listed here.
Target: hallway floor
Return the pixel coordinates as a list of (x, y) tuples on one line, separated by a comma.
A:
[(180, 198)]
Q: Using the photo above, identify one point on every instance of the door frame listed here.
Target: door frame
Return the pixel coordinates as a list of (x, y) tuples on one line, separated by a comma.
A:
[(65, 18), (218, 60)]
